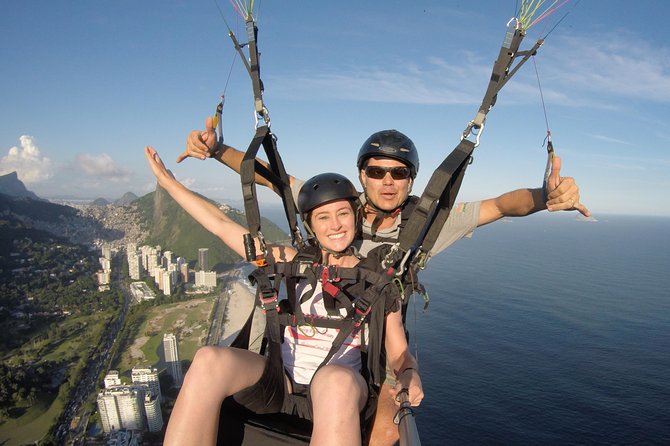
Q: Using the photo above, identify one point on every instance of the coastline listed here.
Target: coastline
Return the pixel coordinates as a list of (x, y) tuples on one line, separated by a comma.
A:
[(239, 304)]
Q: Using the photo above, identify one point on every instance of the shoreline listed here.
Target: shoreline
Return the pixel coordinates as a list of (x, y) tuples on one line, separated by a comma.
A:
[(239, 305)]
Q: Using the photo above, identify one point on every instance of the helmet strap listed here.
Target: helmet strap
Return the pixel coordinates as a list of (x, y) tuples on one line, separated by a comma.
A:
[(380, 214)]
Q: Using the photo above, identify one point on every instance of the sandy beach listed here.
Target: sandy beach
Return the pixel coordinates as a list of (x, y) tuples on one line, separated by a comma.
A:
[(238, 307)]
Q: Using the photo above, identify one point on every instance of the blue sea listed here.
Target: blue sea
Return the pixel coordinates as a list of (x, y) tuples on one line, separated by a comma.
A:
[(548, 330)]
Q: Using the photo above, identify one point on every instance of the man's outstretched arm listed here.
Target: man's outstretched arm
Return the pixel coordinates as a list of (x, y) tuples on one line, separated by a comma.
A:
[(562, 195), (204, 144)]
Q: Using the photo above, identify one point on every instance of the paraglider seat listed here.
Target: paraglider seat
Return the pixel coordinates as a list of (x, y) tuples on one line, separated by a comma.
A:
[(239, 426)]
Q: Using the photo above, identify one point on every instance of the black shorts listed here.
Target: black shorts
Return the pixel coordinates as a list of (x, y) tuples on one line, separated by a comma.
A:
[(270, 396)]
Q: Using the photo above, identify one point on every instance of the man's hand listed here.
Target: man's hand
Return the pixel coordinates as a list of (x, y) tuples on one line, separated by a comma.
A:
[(200, 144), (563, 192), (410, 380)]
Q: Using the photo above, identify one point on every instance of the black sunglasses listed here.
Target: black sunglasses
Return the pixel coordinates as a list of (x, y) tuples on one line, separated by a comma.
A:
[(379, 172)]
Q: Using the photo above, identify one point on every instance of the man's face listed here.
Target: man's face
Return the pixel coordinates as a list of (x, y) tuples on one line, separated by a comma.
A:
[(386, 193)]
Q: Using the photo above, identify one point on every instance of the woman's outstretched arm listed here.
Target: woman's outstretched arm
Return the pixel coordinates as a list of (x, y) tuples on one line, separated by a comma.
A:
[(204, 212)]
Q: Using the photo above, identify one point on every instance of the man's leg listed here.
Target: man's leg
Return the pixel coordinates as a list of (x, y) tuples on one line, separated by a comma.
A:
[(384, 431)]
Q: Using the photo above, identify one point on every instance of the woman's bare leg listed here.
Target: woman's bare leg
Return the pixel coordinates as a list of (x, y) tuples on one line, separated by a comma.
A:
[(215, 374), (338, 396)]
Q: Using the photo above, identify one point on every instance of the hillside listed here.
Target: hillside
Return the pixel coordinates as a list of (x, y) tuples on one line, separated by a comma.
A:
[(154, 219), (11, 185), (172, 228), (36, 209)]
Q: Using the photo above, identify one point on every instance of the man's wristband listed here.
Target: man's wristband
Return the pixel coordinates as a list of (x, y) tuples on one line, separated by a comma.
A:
[(219, 149)]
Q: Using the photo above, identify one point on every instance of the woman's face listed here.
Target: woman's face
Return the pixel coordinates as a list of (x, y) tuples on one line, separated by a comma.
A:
[(334, 225)]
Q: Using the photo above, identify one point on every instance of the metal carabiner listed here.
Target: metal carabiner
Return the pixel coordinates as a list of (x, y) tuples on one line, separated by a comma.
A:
[(473, 129)]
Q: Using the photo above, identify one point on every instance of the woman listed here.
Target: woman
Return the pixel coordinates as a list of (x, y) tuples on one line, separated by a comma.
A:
[(338, 392)]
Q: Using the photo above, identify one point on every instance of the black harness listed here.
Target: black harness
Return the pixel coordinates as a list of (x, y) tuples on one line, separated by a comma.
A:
[(362, 292)]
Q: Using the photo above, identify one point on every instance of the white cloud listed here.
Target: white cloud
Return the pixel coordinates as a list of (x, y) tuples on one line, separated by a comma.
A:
[(610, 139), (617, 64), (188, 182), (575, 70), (29, 164), (435, 82), (102, 166)]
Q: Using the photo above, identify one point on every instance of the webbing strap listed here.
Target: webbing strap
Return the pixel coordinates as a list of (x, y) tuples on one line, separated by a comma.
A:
[(454, 172), (441, 189), (267, 296), (254, 66), (275, 174), (434, 205), (355, 319), (501, 73)]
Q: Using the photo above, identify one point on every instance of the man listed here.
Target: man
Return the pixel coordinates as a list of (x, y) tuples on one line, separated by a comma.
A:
[(388, 163)]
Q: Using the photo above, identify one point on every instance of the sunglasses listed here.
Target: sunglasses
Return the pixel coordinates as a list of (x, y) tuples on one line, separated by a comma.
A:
[(379, 172)]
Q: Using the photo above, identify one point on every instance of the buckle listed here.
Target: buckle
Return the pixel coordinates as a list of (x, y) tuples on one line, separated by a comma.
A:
[(268, 303), (330, 273), (360, 316)]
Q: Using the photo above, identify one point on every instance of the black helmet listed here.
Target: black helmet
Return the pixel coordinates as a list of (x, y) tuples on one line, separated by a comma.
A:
[(390, 144), (325, 188)]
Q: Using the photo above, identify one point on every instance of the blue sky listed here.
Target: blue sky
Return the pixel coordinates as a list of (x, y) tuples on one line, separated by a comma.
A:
[(86, 85)]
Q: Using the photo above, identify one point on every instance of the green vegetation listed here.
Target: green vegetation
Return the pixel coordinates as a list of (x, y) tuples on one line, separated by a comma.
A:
[(33, 424), (172, 227), (142, 336), (60, 323), (57, 318)]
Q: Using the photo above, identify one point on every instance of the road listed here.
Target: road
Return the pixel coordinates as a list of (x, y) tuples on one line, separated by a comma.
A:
[(101, 360)]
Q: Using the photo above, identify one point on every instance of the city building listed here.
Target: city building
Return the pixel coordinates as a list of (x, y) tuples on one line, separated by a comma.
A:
[(112, 379), (105, 263), (205, 279), (152, 263), (183, 272), (158, 277), (103, 277), (167, 259), (172, 363), (107, 251), (122, 438), (152, 410), (203, 259), (121, 407), (141, 291), (149, 377), (167, 284), (134, 261)]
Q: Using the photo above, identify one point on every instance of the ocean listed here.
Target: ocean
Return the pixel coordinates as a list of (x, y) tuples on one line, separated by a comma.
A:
[(548, 330)]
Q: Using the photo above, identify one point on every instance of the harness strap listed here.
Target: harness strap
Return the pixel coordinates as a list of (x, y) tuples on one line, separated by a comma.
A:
[(453, 174), (269, 302), (441, 189), (501, 73), (275, 174)]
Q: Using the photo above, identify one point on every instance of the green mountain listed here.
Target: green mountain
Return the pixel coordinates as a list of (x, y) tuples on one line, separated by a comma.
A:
[(172, 228)]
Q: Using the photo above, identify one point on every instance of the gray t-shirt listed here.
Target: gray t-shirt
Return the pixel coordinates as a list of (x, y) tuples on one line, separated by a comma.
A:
[(461, 222)]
